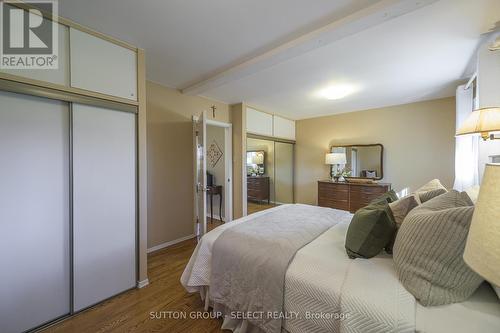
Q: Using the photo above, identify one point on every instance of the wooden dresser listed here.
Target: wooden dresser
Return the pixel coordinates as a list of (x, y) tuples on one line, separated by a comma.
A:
[(258, 188), (348, 196)]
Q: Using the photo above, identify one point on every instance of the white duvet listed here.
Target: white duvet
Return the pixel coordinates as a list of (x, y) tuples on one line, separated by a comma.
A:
[(332, 293)]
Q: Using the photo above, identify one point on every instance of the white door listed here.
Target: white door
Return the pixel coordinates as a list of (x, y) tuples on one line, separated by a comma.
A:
[(34, 211), (200, 177), (104, 203)]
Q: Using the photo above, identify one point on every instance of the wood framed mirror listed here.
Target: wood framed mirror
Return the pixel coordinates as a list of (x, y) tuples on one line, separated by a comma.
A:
[(363, 161)]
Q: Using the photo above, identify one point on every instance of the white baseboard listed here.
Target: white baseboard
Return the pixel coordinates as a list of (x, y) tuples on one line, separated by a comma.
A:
[(216, 216), (143, 283), (170, 243)]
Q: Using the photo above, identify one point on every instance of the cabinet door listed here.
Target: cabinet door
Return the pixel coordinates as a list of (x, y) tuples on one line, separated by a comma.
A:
[(101, 66), (34, 211), (59, 75), (284, 128), (259, 122), (104, 204)]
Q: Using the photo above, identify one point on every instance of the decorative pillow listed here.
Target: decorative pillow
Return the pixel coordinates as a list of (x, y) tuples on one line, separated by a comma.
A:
[(429, 248), (370, 230), (426, 196), (473, 193), (400, 208), (434, 184), (387, 197), (371, 174), (497, 290)]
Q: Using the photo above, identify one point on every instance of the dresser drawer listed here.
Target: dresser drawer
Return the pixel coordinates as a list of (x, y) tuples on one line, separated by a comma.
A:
[(333, 195), (332, 203), (338, 191), (348, 196), (368, 190), (258, 188)]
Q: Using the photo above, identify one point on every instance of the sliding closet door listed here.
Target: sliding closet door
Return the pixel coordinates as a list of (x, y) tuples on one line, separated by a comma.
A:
[(104, 203), (283, 172), (34, 211)]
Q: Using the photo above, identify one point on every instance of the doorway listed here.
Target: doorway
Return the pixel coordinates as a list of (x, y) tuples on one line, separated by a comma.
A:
[(213, 173), (219, 158), (269, 168)]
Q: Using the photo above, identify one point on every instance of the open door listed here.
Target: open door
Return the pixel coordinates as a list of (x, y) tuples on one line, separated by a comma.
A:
[(200, 176)]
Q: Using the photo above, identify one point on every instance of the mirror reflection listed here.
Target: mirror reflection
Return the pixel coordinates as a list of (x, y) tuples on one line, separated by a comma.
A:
[(357, 161)]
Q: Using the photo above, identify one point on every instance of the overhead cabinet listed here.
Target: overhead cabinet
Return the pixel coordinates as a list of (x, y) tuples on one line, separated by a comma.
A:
[(259, 122), (57, 76), (102, 66), (283, 128), (265, 124)]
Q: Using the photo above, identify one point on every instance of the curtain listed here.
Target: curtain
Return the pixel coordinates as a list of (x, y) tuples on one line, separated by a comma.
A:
[(466, 147)]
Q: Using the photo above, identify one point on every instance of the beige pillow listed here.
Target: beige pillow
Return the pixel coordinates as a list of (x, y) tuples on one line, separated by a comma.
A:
[(426, 196), (434, 184), (473, 193), (497, 290), (400, 208), (429, 247)]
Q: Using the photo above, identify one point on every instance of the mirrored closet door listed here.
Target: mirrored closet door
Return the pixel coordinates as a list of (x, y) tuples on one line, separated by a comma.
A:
[(269, 166)]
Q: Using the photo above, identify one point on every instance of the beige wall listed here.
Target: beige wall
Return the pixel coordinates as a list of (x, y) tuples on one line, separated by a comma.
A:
[(238, 119), (170, 160), (418, 140)]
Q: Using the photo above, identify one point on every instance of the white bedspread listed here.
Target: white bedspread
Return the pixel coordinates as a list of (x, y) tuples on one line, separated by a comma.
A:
[(322, 283)]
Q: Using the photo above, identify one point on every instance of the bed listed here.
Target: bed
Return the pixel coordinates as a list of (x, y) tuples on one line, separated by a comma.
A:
[(325, 291)]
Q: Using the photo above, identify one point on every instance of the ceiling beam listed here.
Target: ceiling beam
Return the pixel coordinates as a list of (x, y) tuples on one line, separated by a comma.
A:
[(368, 17)]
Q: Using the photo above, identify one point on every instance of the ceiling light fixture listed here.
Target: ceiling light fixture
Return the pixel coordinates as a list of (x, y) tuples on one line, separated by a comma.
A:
[(337, 91)]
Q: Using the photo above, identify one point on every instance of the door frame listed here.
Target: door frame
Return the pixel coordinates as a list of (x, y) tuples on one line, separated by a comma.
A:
[(228, 167)]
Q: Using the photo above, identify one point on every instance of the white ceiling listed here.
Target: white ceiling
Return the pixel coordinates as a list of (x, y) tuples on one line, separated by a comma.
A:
[(418, 56)]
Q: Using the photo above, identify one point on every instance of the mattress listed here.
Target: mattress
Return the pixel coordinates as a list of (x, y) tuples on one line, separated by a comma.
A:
[(325, 291)]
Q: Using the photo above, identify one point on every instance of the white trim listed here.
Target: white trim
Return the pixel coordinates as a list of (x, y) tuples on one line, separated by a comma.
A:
[(143, 283), (218, 123), (170, 243), (216, 217)]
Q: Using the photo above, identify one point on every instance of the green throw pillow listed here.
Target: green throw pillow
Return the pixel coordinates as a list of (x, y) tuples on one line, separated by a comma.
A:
[(372, 228), (388, 197)]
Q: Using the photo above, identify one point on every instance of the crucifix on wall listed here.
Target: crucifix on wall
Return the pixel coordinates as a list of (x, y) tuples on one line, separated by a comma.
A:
[(213, 107)]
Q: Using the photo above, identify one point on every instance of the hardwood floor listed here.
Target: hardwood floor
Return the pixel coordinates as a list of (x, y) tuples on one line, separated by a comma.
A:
[(130, 311), (253, 207), (214, 224)]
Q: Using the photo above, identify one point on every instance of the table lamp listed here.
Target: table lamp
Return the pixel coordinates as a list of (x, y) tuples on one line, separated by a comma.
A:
[(335, 159), (482, 250)]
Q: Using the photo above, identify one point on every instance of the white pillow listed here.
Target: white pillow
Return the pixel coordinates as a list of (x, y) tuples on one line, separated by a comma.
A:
[(473, 193)]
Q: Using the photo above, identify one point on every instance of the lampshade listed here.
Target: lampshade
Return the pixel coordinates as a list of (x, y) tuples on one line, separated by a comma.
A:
[(335, 158), (257, 159), (482, 250), (481, 121)]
